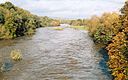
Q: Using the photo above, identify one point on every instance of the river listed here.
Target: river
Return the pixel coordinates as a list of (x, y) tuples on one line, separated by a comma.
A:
[(53, 55)]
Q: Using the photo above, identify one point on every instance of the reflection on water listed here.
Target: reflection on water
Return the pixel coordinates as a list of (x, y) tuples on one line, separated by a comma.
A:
[(54, 55)]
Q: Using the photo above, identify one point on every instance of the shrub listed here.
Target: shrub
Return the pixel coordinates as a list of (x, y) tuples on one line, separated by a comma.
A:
[(103, 28), (102, 35), (16, 55), (93, 24)]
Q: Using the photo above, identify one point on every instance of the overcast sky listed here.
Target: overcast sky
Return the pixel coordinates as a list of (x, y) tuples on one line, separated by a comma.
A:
[(68, 8)]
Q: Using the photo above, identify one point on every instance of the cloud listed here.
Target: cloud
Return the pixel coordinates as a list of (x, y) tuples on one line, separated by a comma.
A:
[(69, 8)]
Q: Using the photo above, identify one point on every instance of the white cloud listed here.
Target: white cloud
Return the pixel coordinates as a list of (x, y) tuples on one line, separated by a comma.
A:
[(69, 8)]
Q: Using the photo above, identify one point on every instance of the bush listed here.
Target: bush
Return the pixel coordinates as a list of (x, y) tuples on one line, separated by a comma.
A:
[(103, 28), (101, 35), (16, 55), (93, 24)]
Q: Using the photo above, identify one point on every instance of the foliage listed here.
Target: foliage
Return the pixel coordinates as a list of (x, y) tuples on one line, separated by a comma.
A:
[(103, 28), (8, 5), (102, 35), (112, 29), (16, 55), (78, 22), (118, 62), (55, 23), (65, 21), (93, 24), (1, 18), (15, 22), (45, 21), (117, 50)]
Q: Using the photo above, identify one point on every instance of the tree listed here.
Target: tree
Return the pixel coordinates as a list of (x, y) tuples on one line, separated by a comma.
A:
[(1, 18), (103, 28), (15, 21), (8, 5), (118, 51)]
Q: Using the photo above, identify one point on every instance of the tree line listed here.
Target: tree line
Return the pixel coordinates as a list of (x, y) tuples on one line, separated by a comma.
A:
[(15, 21)]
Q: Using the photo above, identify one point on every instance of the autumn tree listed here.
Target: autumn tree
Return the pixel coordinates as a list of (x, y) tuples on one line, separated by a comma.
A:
[(118, 51), (103, 28)]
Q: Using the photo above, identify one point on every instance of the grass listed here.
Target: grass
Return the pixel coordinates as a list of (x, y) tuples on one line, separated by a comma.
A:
[(58, 28), (16, 55), (79, 27)]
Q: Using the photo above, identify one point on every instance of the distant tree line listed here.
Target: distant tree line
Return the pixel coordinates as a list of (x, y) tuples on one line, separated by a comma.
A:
[(74, 22), (78, 22), (15, 21)]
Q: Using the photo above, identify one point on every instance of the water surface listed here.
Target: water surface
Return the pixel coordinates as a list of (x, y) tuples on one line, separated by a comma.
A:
[(54, 55)]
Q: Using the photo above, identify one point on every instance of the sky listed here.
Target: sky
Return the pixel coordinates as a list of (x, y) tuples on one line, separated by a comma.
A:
[(68, 9)]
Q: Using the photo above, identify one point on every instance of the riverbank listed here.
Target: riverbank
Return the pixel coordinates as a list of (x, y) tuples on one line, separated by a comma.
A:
[(111, 30), (79, 27)]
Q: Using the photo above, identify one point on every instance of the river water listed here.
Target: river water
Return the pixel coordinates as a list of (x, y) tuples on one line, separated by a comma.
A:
[(53, 55)]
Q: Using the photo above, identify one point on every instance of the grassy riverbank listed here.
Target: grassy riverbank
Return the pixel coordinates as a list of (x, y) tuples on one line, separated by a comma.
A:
[(79, 27), (58, 28)]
